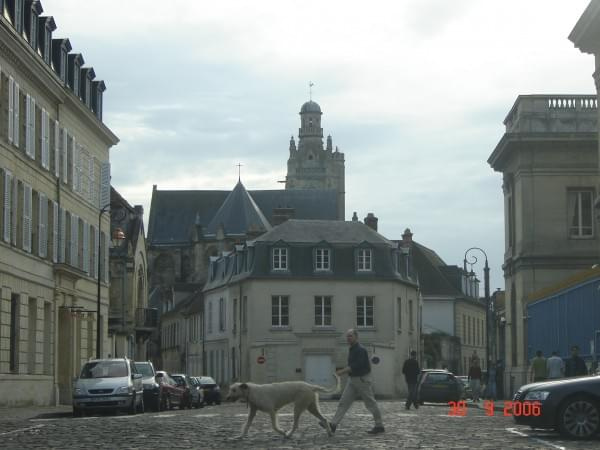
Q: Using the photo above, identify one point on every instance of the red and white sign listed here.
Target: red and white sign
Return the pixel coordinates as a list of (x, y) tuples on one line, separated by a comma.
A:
[(261, 359)]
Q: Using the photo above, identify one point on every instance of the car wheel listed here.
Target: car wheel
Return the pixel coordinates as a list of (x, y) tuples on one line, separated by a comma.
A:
[(579, 418), (133, 407)]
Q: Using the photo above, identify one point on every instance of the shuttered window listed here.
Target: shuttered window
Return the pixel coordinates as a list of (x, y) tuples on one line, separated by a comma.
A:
[(86, 247), (94, 252), (27, 199), (74, 240), (56, 149), (74, 158), (64, 154), (55, 228), (45, 139), (15, 210), (92, 180), (13, 111), (104, 185), (42, 225), (8, 205), (62, 234), (30, 126)]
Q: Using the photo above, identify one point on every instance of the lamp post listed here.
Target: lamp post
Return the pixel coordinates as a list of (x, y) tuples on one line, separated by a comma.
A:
[(486, 284), (117, 236)]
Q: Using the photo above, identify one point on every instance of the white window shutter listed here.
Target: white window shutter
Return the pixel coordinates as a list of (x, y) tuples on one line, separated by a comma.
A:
[(15, 210), (55, 241), (42, 225), (11, 108), (65, 156), (32, 154), (27, 125), (16, 106), (92, 180), (27, 194), (56, 149), (62, 239), (94, 259), (104, 185), (45, 139), (74, 240), (8, 185), (86, 247)]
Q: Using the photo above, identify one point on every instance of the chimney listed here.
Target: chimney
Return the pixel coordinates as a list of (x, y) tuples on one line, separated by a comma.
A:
[(407, 237), (371, 221), (280, 215)]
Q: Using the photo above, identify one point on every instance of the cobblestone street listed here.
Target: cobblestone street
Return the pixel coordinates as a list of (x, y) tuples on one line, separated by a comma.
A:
[(216, 427)]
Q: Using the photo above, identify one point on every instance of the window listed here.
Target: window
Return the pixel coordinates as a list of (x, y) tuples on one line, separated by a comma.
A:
[(364, 311), (47, 355), (323, 311), (221, 314), (411, 319), (209, 317), (14, 332), (8, 206), (280, 311), (31, 334), (33, 24), (47, 43), (364, 260), (13, 111), (322, 259), (399, 306), (63, 65), (45, 137), (579, 204), (27, 213), (280, 259), (30, 126), (42, 225)]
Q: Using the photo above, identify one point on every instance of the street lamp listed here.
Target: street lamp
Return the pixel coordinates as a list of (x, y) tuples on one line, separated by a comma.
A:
[(117, 236), (486, 283)]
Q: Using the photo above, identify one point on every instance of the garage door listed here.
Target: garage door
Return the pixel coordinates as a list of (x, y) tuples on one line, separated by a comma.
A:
[(319, 370)]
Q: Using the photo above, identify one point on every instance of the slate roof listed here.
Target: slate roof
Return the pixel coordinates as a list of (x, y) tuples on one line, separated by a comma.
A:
[(238, 214), (173, 214), (331, 231)]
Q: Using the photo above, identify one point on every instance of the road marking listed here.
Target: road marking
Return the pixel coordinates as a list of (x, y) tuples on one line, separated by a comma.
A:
[(165, 415), (42, 420), (124, 417), (22, 430), (207, 415), (542, 441)]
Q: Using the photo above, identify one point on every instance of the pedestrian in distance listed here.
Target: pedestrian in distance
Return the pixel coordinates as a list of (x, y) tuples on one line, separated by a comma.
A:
[(539, 369), (575, 365), (475, 378), (411, 372), (555, 366), (359, 384)]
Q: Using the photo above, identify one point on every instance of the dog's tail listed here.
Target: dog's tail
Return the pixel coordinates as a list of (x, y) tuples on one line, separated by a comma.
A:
[(335, 390)]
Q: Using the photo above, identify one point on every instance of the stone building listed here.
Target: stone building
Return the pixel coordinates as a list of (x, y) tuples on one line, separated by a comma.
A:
[(130, 321), (54, 176), (549, 160), (187, 228), (278, 307)]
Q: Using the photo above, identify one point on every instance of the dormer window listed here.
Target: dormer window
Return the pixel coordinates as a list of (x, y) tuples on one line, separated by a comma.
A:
[(98, 88), (280, 258), (18, 16), (63, 65), (322, 259), (76, 74), (33, 25), (364, 260)]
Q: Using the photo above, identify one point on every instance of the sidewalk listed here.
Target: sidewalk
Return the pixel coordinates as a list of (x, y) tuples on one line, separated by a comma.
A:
[(34, 412)]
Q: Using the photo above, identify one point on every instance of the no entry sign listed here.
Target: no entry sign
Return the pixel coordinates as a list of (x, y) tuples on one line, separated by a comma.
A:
[(260, 360)]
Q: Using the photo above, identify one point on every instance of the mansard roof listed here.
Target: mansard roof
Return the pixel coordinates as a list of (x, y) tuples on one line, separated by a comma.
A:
[(173, 214), (331, 231), (433, 273), (238, 215)]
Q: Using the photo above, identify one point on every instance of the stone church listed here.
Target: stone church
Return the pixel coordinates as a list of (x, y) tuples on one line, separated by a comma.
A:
[(188, 227)]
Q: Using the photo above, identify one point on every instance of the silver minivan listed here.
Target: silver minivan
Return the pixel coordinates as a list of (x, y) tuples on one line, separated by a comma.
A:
[(108, 384)]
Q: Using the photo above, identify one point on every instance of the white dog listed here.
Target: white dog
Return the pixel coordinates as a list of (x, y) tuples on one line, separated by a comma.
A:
[(270, 398)]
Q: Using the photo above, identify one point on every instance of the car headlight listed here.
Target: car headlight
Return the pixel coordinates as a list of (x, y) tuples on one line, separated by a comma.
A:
[(537, 395), (123, 390)]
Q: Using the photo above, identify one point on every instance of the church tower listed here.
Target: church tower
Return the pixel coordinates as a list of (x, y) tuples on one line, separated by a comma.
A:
[(312, 166)]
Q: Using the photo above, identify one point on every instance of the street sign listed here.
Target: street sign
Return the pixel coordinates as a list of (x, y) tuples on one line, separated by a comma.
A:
[(261, 359), (375, 359)]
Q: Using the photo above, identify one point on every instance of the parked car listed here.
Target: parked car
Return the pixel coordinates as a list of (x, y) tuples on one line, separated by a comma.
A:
[(197, 393), (211, 391), (108, 384), (151, 386), (439, 386), (570, 406), (467, 392), (184, 382), (171, 394)]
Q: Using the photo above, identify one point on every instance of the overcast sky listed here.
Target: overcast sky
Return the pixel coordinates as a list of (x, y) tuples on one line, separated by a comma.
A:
[(414, 92)]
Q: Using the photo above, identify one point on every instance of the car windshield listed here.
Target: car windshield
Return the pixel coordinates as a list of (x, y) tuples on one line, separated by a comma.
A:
[(436, 377), (104, 369), (145, 369)]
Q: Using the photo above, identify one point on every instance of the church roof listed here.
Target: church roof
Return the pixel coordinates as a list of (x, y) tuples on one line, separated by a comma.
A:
[(310, 107), (173, 214), (238, 214)]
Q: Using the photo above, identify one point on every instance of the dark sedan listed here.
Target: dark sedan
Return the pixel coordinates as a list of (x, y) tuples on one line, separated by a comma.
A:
[(570, 406), (439, 386), (210, 390)]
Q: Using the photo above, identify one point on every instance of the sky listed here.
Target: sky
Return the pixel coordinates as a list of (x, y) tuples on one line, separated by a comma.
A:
[(413, 92)]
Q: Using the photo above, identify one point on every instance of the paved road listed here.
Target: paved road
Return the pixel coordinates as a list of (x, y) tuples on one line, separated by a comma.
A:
[(215, 427)]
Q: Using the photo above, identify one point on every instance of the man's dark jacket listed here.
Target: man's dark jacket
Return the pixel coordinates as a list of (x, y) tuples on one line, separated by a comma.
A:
[(575, 366), (358, 360), (411, 370)]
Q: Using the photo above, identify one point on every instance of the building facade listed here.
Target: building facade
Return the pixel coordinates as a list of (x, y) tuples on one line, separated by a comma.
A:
[(54, 166), (549, 160), (277, 308)]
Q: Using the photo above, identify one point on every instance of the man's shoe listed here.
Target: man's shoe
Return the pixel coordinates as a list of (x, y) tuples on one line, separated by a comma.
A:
[(332, 426), (376, 430)]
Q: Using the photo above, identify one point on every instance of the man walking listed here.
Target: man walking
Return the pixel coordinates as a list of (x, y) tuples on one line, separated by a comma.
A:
[(475, 378), (359, 384), (411, 372), (575, 365), (555, 366), (538, 367)]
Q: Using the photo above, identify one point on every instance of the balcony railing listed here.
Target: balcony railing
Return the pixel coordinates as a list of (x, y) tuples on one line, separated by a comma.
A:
[(146, 318)]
